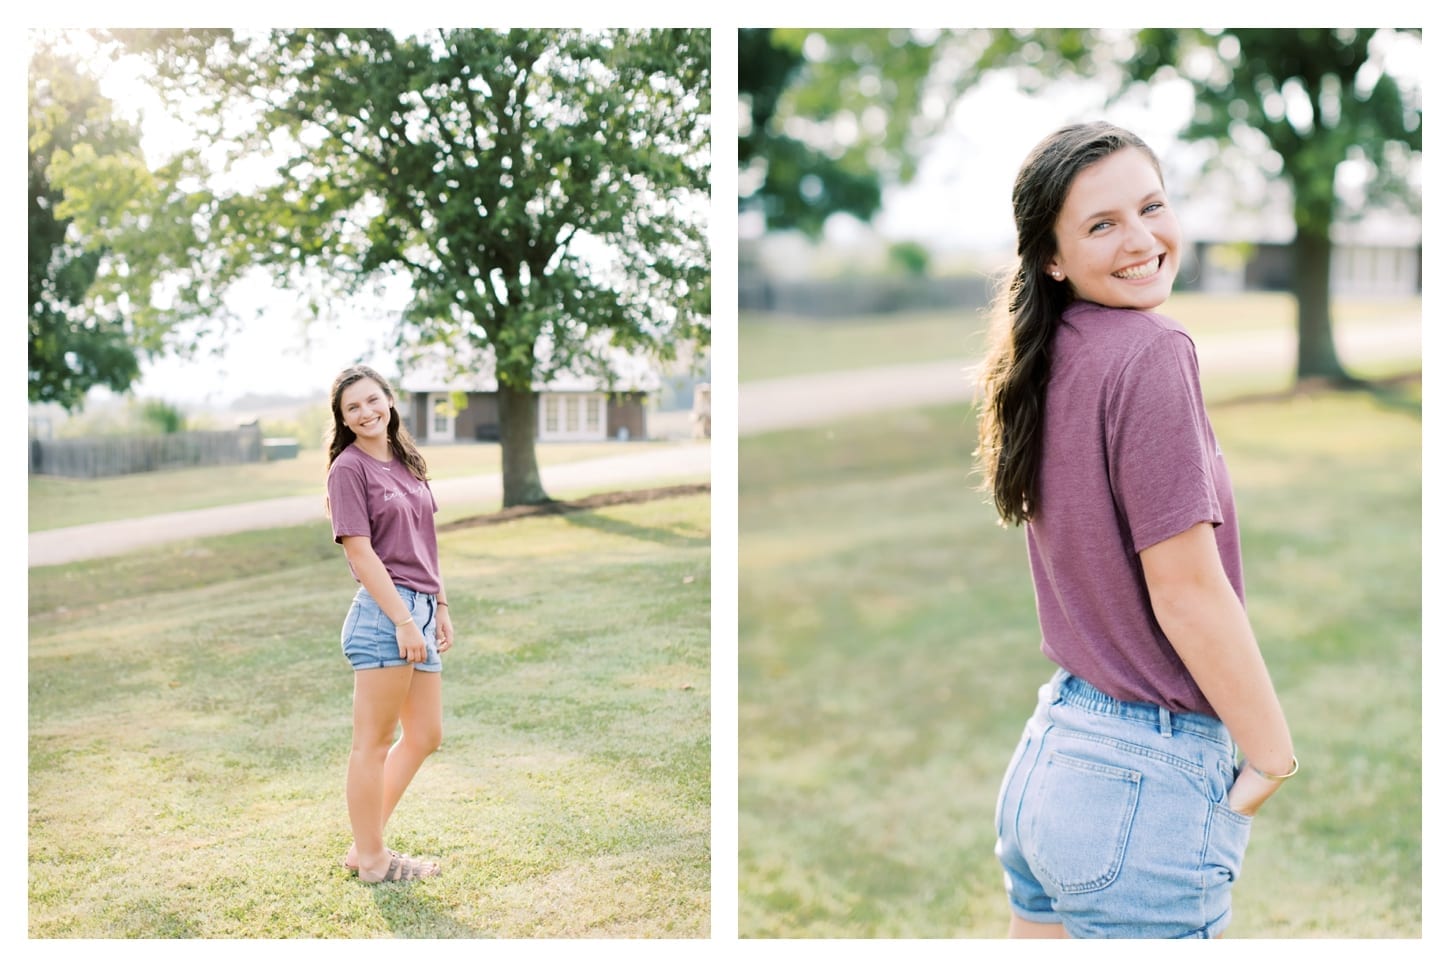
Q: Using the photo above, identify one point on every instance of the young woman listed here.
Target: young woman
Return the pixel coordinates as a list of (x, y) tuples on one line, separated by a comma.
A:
[(1123, 812), (382, 514)]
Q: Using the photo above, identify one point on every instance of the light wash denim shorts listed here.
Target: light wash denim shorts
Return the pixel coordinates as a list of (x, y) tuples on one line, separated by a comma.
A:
[(1112, 817), (370, 640)]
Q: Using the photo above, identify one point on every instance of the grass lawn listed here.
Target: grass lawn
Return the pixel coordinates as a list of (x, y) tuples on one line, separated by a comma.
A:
[(64, 502), (778, 346), (189, 726), (889, 657)]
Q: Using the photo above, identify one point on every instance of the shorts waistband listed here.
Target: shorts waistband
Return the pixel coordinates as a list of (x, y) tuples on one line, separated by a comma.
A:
[(406, 593), (1070, 689)]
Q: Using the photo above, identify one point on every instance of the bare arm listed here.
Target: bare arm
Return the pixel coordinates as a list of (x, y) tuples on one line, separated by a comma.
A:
[(1199, 612), (374, 576), (444, 634)]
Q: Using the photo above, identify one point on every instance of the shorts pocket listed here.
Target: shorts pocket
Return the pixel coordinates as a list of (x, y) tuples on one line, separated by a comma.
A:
[(1085, 813), (1228, 841)]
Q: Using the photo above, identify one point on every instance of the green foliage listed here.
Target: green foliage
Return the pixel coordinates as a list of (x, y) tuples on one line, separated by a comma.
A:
[(481, 163), (1313, 97), (909, 258), (162, 417), (832, 115), (544, 191), (74, 344)]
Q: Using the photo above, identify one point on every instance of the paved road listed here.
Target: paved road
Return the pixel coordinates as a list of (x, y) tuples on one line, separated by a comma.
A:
[(60, 546), (822, 398)]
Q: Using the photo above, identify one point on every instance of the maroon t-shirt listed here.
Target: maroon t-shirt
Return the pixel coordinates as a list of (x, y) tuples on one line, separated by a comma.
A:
[(1128, 460), (385, 503)]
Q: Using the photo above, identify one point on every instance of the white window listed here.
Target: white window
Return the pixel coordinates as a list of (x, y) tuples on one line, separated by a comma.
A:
[(441, 418), (571, 416)]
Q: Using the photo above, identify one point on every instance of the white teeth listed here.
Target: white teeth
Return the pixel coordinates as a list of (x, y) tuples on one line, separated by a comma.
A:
[(1139, 271)]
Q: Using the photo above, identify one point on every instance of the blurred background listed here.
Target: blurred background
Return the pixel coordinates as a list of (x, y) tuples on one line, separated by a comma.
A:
[(889, 648)]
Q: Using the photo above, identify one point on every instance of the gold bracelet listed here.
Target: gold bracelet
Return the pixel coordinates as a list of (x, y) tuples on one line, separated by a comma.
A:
[(401, 624), (1273, 778)]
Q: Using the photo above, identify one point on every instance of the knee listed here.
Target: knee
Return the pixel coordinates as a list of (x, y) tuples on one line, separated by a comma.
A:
[(371, 746), (427, 739)]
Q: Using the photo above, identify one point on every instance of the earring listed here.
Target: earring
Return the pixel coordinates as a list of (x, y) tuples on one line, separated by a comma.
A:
[(1057, 276)]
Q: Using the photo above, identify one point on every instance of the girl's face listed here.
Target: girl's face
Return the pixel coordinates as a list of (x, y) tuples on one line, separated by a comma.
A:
[(1117, 239), (366, 409)]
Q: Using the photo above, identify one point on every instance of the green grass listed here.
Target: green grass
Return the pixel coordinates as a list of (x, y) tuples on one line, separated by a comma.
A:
[(189, 725), (63, 502), (889, 656), (779, 346)]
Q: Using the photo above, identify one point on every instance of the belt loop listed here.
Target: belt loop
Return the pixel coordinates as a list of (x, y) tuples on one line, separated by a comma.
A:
[(1165, 722), (1058, 678)]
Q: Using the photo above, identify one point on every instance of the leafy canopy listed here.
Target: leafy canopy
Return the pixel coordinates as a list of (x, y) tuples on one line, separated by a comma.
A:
[(542, 191)]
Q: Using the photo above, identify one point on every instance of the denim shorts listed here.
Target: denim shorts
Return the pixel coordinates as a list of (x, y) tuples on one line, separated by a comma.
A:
[(1112, 819), (370, 640)]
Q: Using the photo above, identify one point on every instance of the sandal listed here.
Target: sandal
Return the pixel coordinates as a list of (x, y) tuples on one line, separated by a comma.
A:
[(402, 867)]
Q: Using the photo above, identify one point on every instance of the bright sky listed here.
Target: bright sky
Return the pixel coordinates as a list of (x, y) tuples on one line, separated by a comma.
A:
[(961, 195), (272, 348)]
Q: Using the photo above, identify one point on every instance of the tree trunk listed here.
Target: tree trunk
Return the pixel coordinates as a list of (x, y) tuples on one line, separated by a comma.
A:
[(518, 418), (1317, 356)]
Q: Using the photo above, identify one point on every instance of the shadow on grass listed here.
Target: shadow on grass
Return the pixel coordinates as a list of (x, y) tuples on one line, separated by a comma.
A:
[(571, 509), (621, 528), (413, 914), (1400, 393)]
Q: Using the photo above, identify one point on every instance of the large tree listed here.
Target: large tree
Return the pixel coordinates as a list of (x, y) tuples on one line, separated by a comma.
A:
[(72, 347), (542, 191)]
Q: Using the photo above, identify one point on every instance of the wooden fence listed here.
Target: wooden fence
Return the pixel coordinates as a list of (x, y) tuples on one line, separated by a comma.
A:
[(113, 456)]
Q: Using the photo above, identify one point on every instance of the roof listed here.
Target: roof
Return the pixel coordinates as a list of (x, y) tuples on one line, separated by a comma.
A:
[(433, 372)]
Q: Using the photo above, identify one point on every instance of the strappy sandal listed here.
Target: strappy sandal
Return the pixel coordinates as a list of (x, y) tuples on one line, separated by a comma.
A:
[(402, 867)]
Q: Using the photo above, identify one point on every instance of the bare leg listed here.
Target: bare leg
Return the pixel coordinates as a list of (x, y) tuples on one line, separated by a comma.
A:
[(377, 703), (421, 715), (1020, 929), (422, 719)]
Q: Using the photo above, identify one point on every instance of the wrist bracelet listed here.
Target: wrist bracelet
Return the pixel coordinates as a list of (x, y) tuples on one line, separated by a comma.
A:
[(401, 624), (442, 604), (1274, 778)]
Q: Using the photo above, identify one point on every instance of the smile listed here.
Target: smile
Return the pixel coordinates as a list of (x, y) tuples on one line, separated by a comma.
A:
[(1140, 271)]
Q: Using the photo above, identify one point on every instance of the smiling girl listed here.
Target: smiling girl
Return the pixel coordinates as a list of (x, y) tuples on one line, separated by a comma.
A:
[(382, 514), (1123, 812)]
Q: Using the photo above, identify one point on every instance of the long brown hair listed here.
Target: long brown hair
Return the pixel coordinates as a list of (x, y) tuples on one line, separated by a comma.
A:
[(1027, 309), (400, 441)]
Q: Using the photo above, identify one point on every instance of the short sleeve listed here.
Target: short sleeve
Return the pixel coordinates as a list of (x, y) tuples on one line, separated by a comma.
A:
[(1160, 459), (347, 498)]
